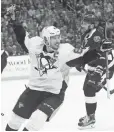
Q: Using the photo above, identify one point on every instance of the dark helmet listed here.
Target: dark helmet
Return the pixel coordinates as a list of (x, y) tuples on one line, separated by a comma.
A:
[(93, 20), (90, 18), (90, 21)]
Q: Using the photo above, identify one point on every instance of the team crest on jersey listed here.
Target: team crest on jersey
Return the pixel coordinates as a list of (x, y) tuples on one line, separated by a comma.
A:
[(97, 38), (45, 63)]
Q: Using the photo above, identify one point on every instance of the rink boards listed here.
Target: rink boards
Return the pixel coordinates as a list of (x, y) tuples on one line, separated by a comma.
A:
[(18, 67)]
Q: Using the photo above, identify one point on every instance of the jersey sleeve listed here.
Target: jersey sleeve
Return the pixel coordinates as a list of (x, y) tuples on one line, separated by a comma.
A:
[(75, 58), (71, 54), (33, 44), (20, 34)]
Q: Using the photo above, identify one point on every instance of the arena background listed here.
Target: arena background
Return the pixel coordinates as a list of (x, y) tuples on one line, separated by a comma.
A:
[(67, 15)]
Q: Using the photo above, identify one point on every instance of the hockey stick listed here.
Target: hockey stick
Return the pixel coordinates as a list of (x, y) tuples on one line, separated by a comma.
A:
[(107, 70), (101, 85), (107, 76)]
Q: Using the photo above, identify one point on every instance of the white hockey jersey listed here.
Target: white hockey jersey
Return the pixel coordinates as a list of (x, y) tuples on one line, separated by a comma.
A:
[(48, 70)]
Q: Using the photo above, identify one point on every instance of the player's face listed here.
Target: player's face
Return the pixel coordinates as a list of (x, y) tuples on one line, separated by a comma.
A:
[(85, 26), (55, 42)]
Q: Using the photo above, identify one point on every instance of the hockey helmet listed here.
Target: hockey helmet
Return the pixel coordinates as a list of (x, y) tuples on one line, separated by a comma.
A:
[(90, 18), (48, 32), (90, 21)]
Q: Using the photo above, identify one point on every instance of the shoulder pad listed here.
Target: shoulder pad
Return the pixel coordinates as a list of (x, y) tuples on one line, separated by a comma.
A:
[(67, 46), (36, 44), (37, 40)]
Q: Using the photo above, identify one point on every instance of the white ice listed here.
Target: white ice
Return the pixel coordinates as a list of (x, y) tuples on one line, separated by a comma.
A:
[(72, 109)]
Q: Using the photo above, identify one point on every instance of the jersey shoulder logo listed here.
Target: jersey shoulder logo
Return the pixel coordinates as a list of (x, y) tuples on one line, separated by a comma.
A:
[(97, 38)]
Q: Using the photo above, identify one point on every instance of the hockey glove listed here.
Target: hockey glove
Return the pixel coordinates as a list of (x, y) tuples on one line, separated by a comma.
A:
[(79, 68), (106, 46), (95, 76)]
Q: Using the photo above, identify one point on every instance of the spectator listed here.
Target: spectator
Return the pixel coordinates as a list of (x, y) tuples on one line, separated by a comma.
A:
[(14, 50), (2, 46), (9, 49), (36, 14), (24, 13), (30, 24), (31, 11)]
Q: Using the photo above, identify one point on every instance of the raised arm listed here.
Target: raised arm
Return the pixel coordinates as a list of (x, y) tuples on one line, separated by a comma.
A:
[(20, 34)]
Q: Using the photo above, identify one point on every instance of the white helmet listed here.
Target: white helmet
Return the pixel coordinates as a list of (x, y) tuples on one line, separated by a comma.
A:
[(49, 31)]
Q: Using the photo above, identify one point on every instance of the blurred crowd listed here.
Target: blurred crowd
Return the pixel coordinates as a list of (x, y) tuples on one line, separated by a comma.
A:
[(64, 14)]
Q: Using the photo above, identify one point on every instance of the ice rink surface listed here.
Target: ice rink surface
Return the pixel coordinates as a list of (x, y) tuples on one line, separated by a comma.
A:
[(72, 109)]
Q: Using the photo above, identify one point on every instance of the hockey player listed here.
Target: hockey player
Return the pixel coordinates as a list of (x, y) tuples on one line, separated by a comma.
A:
[(4, 56), (48, 78), (92, 84), (93, 40)]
